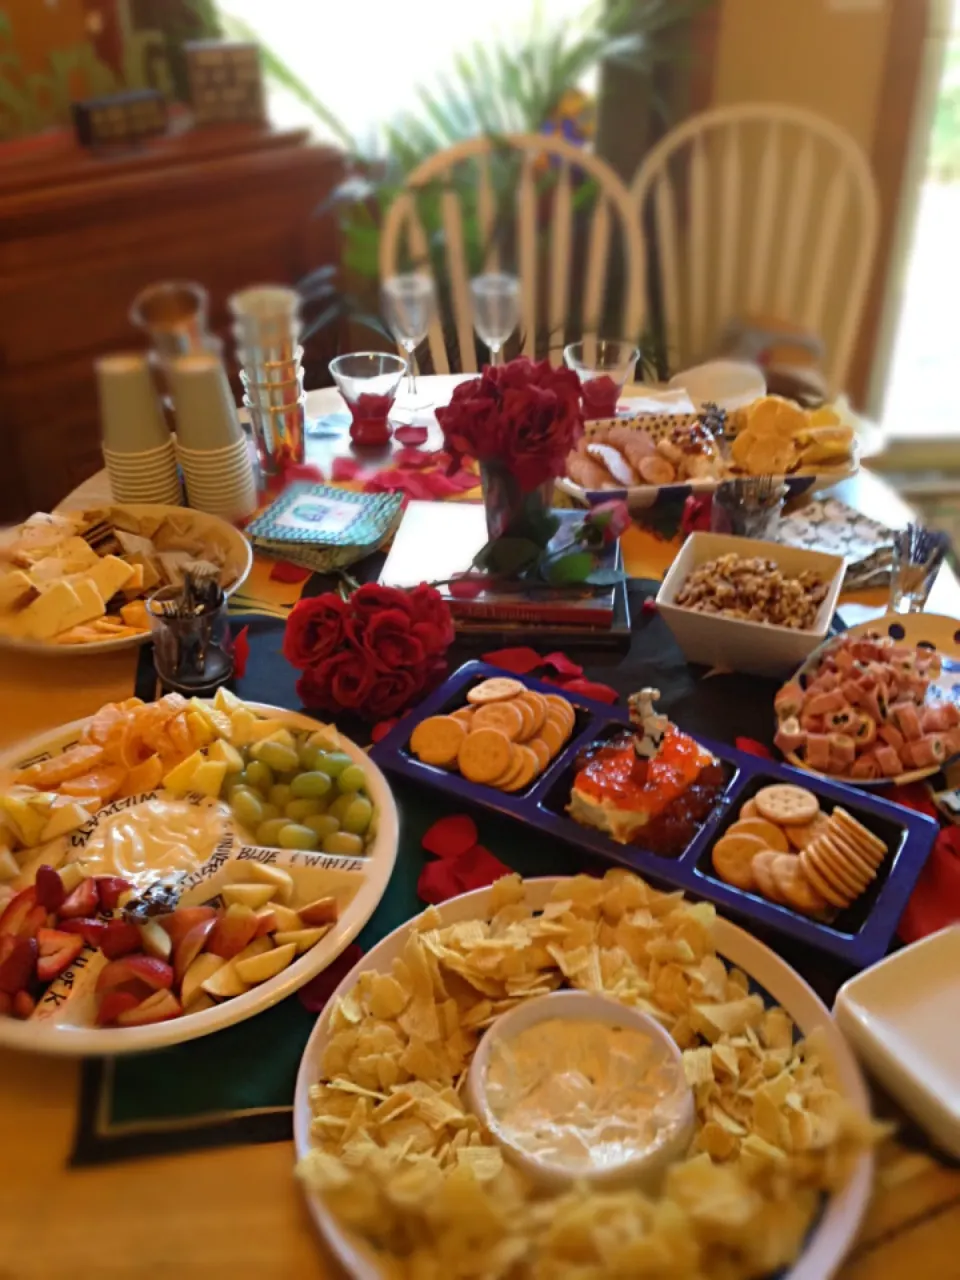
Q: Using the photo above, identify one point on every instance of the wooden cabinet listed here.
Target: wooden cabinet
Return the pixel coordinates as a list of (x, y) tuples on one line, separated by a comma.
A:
[(80, 236)]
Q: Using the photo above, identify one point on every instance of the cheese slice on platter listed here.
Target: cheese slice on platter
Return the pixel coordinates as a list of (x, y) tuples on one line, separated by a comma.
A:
[(16, 591), (110, 575)]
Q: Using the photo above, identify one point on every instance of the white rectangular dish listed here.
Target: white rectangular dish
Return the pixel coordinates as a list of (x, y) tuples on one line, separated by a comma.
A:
[(756, 648), (902, 1018)]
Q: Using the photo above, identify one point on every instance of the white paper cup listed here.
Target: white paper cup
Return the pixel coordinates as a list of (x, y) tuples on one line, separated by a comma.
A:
[(131, 416), (203, 402)]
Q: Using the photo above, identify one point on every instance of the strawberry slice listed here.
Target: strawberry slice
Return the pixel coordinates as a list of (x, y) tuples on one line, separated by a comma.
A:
[(6, 1004), (7, 943), (35, 919), (119, 939), (157, 974), (110, 890), (58, 950), (83, 901), (90, 930), (179, 923), (49, 887), (17, 910), (112, 1004), (18, 968), (23, 1005), (156, 1008)]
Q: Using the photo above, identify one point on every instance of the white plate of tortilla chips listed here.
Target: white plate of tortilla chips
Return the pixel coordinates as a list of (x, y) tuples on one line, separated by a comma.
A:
[(420, 1174), (76, 581)]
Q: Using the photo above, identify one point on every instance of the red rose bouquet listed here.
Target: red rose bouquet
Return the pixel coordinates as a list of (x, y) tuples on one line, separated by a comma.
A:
[(371, 653)]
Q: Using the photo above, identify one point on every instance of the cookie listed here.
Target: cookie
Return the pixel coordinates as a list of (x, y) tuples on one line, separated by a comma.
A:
[(510, 770), (822, 885), (795, 888), (527, 770), (859, 834), (772, 837), (496, 689), (787, 806), (538, 706), (762, 869), (540, 750), (800, 837), (504, 716), (562, 708), (484, 754), (732, 856), (749, 810), (438, 739)]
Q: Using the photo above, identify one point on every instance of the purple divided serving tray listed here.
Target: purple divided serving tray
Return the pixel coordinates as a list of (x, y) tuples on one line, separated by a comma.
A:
[(859, 935)]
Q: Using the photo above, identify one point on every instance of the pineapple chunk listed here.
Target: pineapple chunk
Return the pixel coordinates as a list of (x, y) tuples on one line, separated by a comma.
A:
[(274, 730), (218, 721), (9, 866), (226, 701), (180, 777), (327, 738), (267, 873), (250, 895), (199, 729), (231, 757), (208, 778), (242, 725), (64, 819)]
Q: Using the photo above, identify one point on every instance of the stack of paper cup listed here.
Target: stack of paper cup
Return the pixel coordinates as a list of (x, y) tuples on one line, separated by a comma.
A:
[(211, 446), (137, 446), (267, 329)]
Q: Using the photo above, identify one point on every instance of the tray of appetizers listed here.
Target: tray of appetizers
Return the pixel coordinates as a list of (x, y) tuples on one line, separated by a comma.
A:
[(626, 785), (168, 869)]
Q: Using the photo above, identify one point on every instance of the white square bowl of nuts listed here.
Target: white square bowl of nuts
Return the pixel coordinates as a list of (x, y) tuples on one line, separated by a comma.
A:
[(751, 606)]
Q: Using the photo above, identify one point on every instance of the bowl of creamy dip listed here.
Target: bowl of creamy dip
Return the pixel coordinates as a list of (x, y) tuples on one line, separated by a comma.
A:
[(575, 1085)]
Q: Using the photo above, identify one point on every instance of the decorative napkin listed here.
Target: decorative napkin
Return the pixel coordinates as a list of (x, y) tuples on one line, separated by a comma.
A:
[(832, 527)]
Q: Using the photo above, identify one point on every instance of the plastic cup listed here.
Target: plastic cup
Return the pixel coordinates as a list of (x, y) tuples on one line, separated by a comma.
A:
[(276, 395), (267, 371), (174, 314), (203, 401), (131, 417)]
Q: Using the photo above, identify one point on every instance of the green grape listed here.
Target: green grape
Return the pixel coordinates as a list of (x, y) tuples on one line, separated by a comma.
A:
[(340, 806), (296, 836), (306, 753), (280, 795), (247, 808), (312, 784), (324, 824), (333, 763), (299, 809), (260, 775), (239, 780), (268, 833), (357, 817), (229, 782), (352, 779), (270, 811), (277, 755), (342, 842)]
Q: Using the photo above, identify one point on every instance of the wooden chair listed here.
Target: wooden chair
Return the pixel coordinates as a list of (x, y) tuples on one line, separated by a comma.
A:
[(759, 210), (543, 256)]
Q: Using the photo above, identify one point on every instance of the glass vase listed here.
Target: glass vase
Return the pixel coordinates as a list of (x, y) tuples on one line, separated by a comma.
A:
[(512, 512)]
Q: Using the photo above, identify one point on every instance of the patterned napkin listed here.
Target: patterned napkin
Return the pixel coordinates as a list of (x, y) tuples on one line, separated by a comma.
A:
[(830, 526)]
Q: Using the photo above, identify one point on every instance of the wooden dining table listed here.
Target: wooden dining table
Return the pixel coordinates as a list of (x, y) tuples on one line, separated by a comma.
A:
[(237, 1212)]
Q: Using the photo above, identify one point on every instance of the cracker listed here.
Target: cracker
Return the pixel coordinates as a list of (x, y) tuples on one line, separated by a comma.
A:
[(797, 891), (822, 885), (496, 689), (786, 805), (749, 810), (504, 716), (539, 706), (528, 718), (484, 754), (861, 835), (836, 867), (510, 771), (438, 739), (553, 735), (772, 836), (464, 715), (762, 868), (561, 707), (528, 770), (800, 837), (859, 862), (541, 751), (732, 856)]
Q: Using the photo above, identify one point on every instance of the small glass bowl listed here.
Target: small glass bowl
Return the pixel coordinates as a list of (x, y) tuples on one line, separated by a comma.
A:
[(604, 366), (368, 382)]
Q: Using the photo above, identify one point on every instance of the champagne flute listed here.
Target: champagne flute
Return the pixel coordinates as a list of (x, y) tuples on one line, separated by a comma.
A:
[(409, 304), (496, 310)]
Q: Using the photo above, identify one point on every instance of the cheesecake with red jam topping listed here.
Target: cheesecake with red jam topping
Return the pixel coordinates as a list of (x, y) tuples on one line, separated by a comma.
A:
[(651, 787)]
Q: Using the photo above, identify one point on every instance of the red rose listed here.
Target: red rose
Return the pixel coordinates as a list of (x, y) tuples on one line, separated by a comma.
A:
[(432, 621), (371, 598), (389, 640), (342, 682), (316, 628), (392, 690), (611, 518)]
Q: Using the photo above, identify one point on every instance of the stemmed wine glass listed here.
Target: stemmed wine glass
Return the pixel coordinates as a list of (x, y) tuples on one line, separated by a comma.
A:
[(409, 305), (496, 310)]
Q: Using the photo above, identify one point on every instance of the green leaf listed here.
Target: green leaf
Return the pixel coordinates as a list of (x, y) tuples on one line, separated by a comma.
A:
[(567, 570), (507, 556), (606, 577)]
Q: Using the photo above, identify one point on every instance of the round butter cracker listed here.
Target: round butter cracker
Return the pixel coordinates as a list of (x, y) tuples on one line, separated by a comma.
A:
[(437, 740)]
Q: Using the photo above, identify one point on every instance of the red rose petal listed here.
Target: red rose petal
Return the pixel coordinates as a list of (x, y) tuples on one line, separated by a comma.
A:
[(318, 990), (753, 748), (563, 665), (649, 606), (380, 730), (464, 480), (414, 459), (437, 883), (302, 471), (286, 571), (241, 652), (451, 836), (465, 588), (478, 867), (520, 661), (591, 689), (410, 435), (439, 486), (345, 469)]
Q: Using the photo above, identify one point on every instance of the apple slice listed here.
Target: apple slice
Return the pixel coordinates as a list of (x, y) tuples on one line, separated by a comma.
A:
[(302, 939), (201, 1002), (266, 921), (232, 931), (190, 946), (9, 866), (204, 967), (158, 1007), (155, 940), (267, 873), (251, 895), (256, 948), (286, 918), (58, 950), (224, 983), (262, 968), (320, 911), (181, 921), (156, 974), (112, 1004)]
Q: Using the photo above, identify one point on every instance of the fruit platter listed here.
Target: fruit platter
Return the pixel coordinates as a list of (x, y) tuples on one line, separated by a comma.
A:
[(170, 868)]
